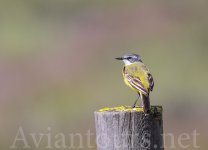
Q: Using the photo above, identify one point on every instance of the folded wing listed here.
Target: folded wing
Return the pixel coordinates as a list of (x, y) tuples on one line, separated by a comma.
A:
[(136, 83)]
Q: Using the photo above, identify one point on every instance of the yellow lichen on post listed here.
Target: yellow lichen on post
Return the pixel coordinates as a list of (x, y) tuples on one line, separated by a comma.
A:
[(130, 109), (122, 108)]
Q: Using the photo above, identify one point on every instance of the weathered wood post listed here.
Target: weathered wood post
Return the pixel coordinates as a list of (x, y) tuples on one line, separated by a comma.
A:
[(124, 128)]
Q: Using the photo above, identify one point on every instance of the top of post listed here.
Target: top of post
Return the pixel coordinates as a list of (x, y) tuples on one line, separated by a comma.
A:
[(154, 109)]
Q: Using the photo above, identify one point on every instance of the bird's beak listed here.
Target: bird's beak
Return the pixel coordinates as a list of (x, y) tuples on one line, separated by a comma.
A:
[(119, 58)]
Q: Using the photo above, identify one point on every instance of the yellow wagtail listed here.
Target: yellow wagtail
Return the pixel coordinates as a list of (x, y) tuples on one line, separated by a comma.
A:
[(137, 76)]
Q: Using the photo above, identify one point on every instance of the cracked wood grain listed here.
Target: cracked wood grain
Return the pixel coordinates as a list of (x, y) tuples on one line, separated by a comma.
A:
[(132, 130)]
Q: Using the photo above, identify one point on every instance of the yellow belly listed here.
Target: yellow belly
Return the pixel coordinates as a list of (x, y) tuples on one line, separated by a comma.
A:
[(138, 70)]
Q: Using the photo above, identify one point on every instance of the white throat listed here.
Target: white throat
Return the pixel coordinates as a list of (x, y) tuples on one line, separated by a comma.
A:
[(127, 62)]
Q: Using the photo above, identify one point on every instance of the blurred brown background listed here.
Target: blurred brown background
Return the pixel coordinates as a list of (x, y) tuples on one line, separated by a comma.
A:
[(57, 64)]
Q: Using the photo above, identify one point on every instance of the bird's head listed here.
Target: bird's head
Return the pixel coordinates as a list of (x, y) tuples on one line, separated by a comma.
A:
[(130, 59)]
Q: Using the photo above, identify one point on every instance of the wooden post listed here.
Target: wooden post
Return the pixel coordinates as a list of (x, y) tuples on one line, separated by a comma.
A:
[(124, 128)]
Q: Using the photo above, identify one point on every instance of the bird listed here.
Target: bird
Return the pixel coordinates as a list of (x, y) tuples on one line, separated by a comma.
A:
[(138, 77)]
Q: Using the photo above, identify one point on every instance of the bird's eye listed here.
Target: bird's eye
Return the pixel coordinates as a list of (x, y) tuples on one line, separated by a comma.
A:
[(128, 58)]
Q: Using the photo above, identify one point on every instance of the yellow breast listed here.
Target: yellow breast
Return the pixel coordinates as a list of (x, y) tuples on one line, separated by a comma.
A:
[(138, 70)]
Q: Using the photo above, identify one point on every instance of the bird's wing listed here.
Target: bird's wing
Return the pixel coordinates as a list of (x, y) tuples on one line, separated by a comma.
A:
[(151, 81), (135, 81)]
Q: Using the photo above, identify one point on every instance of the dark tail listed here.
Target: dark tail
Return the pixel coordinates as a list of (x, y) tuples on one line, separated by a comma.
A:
[(146, 103)]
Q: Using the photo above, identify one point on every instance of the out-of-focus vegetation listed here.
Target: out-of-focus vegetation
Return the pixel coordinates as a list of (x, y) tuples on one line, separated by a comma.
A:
[(57, 63)]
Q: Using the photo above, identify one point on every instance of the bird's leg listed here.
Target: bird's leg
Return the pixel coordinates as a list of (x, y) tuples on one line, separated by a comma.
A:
[(142, 99), (133, 106)]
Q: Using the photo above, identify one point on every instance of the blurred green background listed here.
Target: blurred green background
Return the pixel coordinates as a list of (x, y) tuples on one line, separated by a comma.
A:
[(57, 64)]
